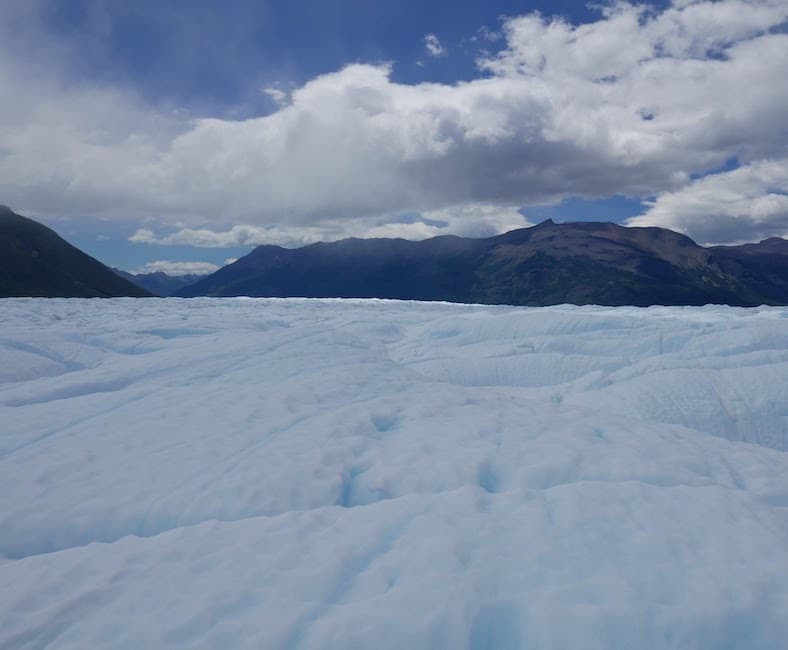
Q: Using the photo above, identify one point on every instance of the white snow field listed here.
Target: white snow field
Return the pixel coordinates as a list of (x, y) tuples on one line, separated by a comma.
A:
[(237, 473)]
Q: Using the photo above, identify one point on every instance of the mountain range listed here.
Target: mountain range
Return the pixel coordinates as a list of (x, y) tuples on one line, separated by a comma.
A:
[(160, 283), (580, 263)]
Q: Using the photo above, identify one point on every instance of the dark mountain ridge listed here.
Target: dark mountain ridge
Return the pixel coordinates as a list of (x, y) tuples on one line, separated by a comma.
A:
[(36, 261), (158, 282), (581, 263)]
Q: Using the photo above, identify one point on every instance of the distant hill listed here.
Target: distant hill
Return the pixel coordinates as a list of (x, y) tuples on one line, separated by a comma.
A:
[(579, 263), (159, 283), (36, 261)]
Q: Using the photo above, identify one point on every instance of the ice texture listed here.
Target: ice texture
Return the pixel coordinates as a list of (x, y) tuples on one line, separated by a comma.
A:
[(237, 473)]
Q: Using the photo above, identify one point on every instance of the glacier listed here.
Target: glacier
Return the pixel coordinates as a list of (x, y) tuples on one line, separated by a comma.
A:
[(263, 473)]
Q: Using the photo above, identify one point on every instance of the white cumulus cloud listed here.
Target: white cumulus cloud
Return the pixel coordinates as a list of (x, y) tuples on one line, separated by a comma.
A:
[(748, 203), (638, 103), (433, 45), (278, 95)]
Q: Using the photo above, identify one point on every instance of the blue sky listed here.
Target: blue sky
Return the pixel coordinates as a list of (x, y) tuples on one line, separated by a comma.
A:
[(203, 53), (191, 131)]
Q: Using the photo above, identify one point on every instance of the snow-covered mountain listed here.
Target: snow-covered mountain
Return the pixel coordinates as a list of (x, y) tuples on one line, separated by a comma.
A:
[(369, 474)]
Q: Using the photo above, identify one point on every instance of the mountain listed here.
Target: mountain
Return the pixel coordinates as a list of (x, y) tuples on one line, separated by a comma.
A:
[(762, 266), (36, 261), (159, 283), (580, 263)]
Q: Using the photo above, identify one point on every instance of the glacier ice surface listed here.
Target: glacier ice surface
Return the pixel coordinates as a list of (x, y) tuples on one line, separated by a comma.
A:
[(243, 473)]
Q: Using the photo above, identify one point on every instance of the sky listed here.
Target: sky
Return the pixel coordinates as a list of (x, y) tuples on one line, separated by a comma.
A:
[(178, 135)]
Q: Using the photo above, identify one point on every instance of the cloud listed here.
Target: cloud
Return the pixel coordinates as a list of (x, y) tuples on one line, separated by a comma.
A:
[(745, 204), (433, 45), (278, 96), (637, 103), (204, 238), (177, 268), (471, 220), (487, 34)]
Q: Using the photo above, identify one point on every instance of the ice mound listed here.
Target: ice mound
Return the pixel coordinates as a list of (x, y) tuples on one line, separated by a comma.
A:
[(375, 474)]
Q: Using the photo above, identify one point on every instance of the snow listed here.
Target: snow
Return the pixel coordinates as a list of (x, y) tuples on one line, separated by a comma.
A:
[(238, 473)]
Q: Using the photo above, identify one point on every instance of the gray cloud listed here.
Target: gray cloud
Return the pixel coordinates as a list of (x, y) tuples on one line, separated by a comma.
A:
[(634, 104)]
